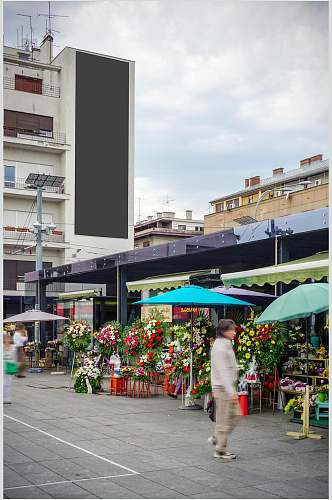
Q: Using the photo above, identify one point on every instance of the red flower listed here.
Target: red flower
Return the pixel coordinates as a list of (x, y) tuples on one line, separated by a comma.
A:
[(158, 323), (193, 392), (159, 339), (158, 330)]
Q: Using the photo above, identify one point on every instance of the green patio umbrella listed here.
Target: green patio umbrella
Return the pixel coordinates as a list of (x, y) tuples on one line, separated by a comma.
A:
[(301, 302)]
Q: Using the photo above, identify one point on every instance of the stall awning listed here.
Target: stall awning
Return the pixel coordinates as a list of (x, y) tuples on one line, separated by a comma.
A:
[(314, 267), (166, 282)]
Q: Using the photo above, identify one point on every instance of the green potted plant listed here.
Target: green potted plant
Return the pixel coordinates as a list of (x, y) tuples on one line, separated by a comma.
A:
[(322, 393)]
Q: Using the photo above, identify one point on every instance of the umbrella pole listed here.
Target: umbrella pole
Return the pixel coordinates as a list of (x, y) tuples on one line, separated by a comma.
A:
[(307, 353), (188, 404), (306, 433)]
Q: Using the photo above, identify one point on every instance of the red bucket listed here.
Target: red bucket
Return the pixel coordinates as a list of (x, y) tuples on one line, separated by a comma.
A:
[(243, 400)]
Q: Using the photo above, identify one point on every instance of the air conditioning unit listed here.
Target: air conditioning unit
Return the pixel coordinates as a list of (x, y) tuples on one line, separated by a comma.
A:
[(230, 206), (318, 182)]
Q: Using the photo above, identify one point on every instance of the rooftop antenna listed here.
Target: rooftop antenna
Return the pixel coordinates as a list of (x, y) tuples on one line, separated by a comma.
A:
[(139, 210), (49, 16), (167, 202), (30, 22)]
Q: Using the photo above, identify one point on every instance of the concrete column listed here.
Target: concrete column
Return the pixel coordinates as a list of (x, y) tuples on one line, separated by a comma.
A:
[(122, 293), (111, 289)]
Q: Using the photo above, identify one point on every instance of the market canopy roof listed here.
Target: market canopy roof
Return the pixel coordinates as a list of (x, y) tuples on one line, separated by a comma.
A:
[(165, 282), (194, 295), (314, 267)]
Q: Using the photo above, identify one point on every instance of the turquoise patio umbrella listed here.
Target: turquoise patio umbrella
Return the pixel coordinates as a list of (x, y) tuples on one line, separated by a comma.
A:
[(193, 295), (301, 302)]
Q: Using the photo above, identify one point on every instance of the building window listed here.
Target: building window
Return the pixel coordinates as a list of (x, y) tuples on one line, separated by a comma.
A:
[(182, 227), (146, 243), (219, 207), (9, 176), (232, 203), (28, 84), (24, 55), (198, 228), (16, 123)]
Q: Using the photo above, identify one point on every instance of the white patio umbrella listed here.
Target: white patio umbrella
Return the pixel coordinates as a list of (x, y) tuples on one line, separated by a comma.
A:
[(32, 316)]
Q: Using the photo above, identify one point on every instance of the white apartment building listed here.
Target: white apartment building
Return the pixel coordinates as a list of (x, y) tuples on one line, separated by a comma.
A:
[(70, 116), (165, 227)]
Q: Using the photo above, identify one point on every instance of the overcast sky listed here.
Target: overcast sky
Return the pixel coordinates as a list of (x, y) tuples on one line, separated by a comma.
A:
[(224, 89)]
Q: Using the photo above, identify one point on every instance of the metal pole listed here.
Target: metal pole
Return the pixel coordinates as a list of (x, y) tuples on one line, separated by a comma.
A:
[(118, 294), (276, 260), (39, 248), (39, 254)]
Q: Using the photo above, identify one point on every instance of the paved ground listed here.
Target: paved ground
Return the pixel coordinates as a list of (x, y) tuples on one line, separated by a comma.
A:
[(59, 444)]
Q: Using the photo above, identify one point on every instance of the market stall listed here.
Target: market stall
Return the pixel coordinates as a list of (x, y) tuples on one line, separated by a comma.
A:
[(303, 302)]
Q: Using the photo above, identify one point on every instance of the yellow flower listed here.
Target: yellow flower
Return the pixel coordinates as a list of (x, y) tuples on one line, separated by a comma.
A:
[(248, 355), (266, 325), (248, 343), (244, 348), (239, 348), (257, 344), (199, 351), (272, 341), (251, 332)]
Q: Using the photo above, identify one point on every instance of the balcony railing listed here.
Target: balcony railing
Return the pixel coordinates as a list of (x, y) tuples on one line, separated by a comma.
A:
[(166, 230), (19, 183), (24, 234), (47, 90), (46, 136)]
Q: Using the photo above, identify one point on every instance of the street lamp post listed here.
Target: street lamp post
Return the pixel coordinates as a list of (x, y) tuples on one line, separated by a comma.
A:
[(39, 182)]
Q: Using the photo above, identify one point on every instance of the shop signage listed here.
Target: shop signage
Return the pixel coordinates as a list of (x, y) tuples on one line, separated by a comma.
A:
[(164, 310)]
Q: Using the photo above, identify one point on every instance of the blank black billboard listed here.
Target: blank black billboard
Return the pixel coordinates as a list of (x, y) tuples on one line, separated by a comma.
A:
[(101, 146)]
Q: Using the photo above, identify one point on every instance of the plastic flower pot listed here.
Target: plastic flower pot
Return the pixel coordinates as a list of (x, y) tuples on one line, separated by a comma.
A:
[(243, 400), (321, 396)]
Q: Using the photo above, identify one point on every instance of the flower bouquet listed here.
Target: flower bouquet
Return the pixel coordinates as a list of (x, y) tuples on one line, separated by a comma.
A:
[(78, 336), (31, 347), (148, 361), (181, 366), (296, 404), (131, 341), (127, 371), (201, 388), (87, 378), (153, 333), (141, 374), (109, 338), (287, 384), (300, 386), (322, 353)]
